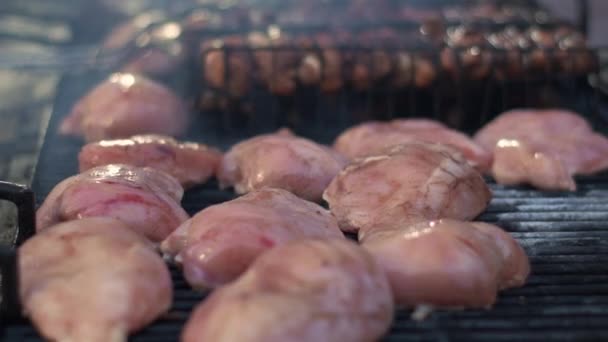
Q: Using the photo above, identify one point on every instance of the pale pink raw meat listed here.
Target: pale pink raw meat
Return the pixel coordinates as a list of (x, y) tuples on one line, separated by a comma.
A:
[(283, 161), (125, 105), (189, 162), (219, 243), (144, 198), (410, 182), (306, 291), (374, 137), (544, 148), (92, 280), (448, 263)]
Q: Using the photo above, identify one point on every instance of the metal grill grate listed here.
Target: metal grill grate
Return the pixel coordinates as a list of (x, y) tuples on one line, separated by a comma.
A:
[(566, 298)]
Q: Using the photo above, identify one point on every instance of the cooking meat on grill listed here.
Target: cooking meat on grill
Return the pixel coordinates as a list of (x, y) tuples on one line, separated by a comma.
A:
[(189, 162), (416, 69), (511, 43), (321, 62), (544, 148), (92, 280), (374, 137), (144, 198), (227, 69), (465, 50), (277, 67), (447, 263), (125, 105), (410, 182), (543, 40), (220, 242), (313, 290), (572, 51), (373, 64), (280, 160)]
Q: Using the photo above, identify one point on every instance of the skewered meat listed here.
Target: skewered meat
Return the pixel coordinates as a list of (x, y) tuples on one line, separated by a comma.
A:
[(227, 69), (413, 69), (543, 148), (144, 198), (220, 242), (511, 42), (332, 79), (374, 137), (465, 53), (317, 290), (543, 40), (125, 105), (92, 280), (280, 160), (573, 55), (447, 262), (189, 162), (410, 182), (277, 68)]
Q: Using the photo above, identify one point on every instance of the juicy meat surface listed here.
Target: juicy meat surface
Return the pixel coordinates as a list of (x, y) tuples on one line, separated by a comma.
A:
[(219, 243), (313, 290), (92, 280), (125, 105), (448, 263), (410, 182), (374, 137), (283, 161), (144, 198), (189, 162), (544, 148)]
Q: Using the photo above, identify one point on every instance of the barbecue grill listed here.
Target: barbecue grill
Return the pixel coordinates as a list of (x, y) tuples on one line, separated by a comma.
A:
[(564, 234)]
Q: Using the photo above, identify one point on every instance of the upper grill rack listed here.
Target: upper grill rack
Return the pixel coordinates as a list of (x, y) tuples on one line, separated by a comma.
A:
[(239, 99)]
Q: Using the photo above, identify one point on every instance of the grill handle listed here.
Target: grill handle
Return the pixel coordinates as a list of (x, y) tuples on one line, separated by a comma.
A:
[(10, 307), (23, 198)]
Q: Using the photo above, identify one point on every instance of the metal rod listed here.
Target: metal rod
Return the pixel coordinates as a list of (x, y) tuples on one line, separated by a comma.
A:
[(10, 307), (583, 16), (23, 198)]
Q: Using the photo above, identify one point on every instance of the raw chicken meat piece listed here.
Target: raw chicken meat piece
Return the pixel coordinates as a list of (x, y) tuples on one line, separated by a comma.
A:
[(92, 280), (220, 242), (448, 263), (125, 105), (544, 148), (144, 198), (189, 162), (375, 137), (410, 182), (283, 161), (312, 290)]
